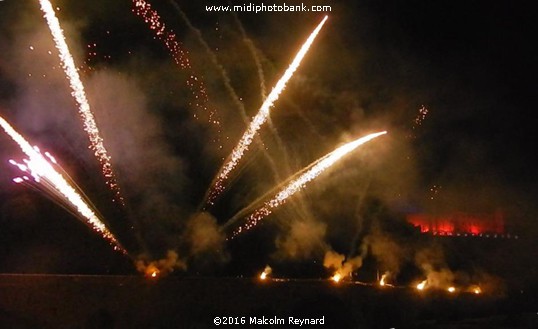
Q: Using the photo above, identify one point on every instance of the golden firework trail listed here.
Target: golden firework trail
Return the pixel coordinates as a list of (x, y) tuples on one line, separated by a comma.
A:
[(196, 86), (306, 175), (218, 184), (43, 172), (68, 64)]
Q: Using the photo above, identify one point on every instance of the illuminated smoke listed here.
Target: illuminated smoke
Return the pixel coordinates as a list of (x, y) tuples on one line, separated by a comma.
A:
[(303, 240), (252, 48), (342, 267), (306, 175), (475, 290), (218, 184), (43, 173), (226, 80), (203, 235), (150, 16), (160, 267), (68, 64)]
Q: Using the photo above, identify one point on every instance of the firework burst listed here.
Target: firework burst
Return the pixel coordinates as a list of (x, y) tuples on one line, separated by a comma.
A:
[(296, 184), (96, 141), (196, 86), (42, 172), (218, 184)]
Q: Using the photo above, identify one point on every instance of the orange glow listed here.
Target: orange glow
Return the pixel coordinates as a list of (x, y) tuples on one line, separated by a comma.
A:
[(421, 285), (451, 224), (383, 280), (451, 289), (337, 277), (475, 290), (152, 272), (266, 271)]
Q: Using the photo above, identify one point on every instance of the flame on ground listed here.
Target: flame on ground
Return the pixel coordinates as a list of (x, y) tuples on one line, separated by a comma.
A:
[(475, 290), (383, 280), (421, 286), (265, 274), (337, 277)]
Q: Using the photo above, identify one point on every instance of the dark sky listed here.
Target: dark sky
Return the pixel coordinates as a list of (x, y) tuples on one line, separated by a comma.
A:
[(373, 66)]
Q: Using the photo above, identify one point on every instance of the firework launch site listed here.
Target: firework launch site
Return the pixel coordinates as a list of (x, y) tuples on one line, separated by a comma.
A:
[(74, 301)]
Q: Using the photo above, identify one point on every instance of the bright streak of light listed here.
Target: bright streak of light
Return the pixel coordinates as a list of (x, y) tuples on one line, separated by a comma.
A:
[(311, 172), (43, 172), (451, 289), (196, 86), (218, 184), (68, 64)]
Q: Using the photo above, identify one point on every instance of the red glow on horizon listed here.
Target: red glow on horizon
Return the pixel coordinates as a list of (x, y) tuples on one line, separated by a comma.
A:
[(458, 223)]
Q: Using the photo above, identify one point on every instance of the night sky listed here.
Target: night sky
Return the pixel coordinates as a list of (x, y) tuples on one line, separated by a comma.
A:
[(373, 67)]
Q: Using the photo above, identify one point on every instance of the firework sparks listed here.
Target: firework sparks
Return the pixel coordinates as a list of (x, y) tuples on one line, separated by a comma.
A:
[(308, 174), (96, 141), (44, 173), (218, 184), (196, 86)]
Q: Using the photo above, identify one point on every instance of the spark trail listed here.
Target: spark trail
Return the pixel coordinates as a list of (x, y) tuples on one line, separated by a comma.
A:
[(252, 48), (218, 184), (295, 185), (227, 84), (68, 64), (53, 182), (196, 86)]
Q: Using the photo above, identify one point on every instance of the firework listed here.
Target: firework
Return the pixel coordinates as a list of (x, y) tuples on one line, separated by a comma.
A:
[(218, 184), (43, 172), (422, 113), (96, 141), (196, 86), (306, 175)]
